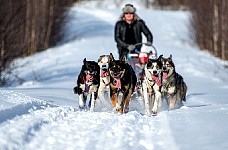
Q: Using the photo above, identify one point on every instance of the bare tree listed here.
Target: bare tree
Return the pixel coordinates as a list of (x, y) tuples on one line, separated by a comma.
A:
[(211, 26), (29, 26)]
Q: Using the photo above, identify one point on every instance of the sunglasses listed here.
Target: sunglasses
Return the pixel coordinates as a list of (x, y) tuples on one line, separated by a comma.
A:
[(129, 13)]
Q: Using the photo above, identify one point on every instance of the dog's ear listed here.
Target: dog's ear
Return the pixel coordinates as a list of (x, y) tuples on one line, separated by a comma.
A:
[(160, 57), (84, 61), (99, 59), (170, 56), (124, 59), (111, 58)]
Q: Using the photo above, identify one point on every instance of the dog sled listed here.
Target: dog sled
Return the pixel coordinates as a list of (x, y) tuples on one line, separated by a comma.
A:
[(137, 60)]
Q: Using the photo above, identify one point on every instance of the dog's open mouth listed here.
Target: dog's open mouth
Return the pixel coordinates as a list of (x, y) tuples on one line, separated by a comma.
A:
[(118, 82), (165, 74), (104, 72), (89, 78)]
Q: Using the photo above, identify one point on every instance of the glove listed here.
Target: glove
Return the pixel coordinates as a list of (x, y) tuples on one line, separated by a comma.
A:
[(148, 43), (131, 47)]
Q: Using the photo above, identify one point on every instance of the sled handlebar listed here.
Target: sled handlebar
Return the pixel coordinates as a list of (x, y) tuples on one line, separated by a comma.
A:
[(137, 44)]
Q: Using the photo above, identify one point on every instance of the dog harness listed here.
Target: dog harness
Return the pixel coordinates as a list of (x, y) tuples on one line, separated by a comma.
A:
[(88, 78), (169, 82), (151, 83), (104, 73)]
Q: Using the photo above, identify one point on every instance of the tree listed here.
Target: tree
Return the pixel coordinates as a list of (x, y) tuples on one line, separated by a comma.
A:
[(29, 26)]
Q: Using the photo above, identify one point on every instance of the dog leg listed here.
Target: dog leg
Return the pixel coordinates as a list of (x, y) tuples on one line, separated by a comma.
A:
[(82, 101), (172, 101), (92, 102), (101, 96), (146, 99), (115, 101), (140, 98), (156, 101), (127, 97)]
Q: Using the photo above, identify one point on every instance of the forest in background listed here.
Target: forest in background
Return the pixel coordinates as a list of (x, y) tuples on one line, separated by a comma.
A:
[(30, 26), (27, 27)]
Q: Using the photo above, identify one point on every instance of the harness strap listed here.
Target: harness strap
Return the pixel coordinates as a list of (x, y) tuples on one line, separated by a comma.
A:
[(168, 83), (87, 87), (85, 79), (106, 84)]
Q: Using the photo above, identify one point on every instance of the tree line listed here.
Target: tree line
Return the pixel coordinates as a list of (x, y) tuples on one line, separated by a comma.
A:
[(29, 26), (210, 26), (209, 23)]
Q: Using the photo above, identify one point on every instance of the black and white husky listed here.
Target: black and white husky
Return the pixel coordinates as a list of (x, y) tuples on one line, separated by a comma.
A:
[(88, 83), (151, 84)]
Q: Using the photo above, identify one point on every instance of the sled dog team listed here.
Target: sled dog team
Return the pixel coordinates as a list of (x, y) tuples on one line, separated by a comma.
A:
[(113, 79)]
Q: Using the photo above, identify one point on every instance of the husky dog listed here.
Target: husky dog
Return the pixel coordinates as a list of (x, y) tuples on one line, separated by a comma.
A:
[(104, 88), (88, 83), (174, 88), (122, 82), (151, 84)]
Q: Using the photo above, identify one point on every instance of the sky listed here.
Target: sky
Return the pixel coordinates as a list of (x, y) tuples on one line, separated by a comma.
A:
[(42, 112)]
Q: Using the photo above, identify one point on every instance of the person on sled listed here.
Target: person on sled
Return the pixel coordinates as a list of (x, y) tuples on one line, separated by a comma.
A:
[(128, 31)]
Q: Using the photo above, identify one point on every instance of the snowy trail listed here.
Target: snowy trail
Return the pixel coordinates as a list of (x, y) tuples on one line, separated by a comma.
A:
[(130, 131), (43, 114), (55, 124)]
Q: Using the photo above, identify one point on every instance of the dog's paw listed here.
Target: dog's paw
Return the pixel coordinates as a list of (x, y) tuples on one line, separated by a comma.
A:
[(154, 113), (148, 113), (77, 90), (119, 110), (84, 108)]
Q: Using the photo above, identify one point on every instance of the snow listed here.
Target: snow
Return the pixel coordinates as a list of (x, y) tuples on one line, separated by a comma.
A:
[(42, 113)]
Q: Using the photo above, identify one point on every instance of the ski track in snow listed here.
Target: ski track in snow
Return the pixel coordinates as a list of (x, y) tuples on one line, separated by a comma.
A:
[(132, 130)]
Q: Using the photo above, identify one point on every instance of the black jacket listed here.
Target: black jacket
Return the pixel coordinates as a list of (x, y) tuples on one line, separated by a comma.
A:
[(139, 27)]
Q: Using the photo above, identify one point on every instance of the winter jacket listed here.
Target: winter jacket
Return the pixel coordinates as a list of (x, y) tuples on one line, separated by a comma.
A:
[(139, 27)]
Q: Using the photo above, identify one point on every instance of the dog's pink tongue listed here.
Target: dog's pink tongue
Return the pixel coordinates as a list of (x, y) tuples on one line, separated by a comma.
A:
[(103, 73), (156, 79), (88, 77), (118, 83), (165, 75)]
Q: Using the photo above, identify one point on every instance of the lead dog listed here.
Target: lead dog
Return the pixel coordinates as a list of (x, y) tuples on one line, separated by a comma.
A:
[(151, 84), (104, 88), (122, 83), (88, 83), (174, 88)]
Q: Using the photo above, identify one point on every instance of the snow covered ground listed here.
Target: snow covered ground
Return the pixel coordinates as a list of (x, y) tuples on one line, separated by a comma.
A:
[(39, 114)]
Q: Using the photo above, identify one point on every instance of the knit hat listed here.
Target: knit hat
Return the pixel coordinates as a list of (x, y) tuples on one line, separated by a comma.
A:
[(129, 8)]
